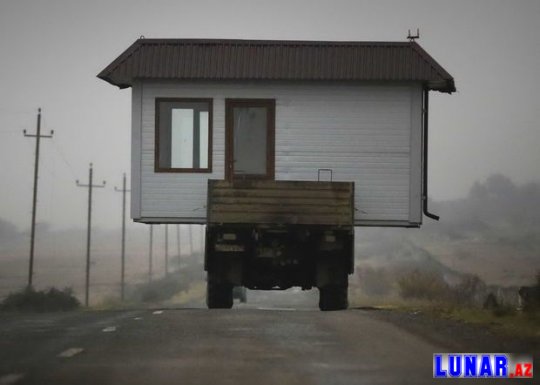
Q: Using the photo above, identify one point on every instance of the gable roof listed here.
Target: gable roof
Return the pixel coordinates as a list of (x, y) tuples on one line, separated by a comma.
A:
[(213, 59)]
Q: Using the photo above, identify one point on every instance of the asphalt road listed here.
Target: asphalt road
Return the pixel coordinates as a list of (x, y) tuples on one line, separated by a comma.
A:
[(197, 346)]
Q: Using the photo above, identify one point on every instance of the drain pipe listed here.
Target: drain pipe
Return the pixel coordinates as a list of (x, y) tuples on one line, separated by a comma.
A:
[(425, 153)]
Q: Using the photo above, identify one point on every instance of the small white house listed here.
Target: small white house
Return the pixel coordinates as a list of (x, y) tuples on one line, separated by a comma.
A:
[(278, 110)]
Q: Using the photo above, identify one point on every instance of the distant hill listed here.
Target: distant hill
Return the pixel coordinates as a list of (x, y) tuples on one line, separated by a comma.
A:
[(493, 232)]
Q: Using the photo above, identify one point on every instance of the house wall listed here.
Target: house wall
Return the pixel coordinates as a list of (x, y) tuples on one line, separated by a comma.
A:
[(366, 133)]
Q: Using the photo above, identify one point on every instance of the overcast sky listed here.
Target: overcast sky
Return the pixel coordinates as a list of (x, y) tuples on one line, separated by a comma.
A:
[(51, 52)]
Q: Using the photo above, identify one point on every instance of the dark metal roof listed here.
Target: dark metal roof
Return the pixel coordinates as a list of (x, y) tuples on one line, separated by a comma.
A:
[(203, 59)]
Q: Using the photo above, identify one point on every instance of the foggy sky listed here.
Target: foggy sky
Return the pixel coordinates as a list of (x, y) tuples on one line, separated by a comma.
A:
[(51, 52)]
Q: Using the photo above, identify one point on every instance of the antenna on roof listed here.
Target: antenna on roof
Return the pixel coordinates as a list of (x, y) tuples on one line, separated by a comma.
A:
[(414, 37)]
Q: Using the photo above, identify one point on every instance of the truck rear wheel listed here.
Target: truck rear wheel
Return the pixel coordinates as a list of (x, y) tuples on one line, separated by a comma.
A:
[(218, 295), (333, 297)]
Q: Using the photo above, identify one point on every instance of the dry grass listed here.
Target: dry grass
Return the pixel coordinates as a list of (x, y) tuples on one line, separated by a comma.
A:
[(507, 320)]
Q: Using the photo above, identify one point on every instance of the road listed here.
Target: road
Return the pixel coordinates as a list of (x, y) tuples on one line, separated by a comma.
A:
[(198, 346)]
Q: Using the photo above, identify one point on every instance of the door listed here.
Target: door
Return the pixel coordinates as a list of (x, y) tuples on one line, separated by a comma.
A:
[(249, 146)]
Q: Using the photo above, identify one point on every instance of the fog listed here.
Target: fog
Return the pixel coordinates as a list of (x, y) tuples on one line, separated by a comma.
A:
[(60, 259), (484, 139), (53, 50), (493, 232)]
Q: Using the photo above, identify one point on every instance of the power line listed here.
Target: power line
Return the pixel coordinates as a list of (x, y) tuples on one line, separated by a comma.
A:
[(63, 157)]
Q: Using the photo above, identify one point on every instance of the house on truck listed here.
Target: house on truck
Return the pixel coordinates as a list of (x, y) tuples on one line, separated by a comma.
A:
[(281, 148)]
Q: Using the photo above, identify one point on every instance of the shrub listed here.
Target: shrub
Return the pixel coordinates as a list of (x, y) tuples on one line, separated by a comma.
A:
[(32, 300), (469, 291), (530, 296), (373, 281), (423, 285), (159, 290)]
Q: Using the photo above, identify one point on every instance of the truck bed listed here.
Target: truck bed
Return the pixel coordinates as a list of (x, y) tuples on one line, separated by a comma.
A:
[(281, 202)]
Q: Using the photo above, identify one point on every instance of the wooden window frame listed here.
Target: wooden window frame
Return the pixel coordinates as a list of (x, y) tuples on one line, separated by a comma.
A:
[(159, 169), (270, 104)]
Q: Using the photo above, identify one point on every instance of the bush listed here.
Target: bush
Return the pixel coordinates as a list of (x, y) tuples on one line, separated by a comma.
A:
[(469, 291), (423, 285), (40, 301), (373, 281), (530, 296), (159, 290)]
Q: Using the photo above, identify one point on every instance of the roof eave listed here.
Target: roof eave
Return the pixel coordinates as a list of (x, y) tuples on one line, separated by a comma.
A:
[(120, 85), (446, 86), (105, 74)]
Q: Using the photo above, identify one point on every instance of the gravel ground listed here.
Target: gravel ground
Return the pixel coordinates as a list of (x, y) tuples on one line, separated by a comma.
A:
[(458, 336)]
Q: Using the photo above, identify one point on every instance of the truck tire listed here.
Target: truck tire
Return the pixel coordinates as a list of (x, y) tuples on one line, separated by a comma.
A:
[(333, 297), (218, 295)]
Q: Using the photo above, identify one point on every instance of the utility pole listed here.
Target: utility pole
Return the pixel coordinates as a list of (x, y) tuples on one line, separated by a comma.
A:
[(38, 136), (150, 253), (166, 250), (178, 243), (191, 240), (123, 190), (203, 234), (90, 186)]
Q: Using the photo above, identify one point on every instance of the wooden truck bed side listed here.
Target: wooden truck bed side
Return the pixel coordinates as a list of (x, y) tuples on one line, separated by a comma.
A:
[(281, 202)]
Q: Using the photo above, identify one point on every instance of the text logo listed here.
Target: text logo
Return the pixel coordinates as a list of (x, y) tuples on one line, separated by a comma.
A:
[(482, 365)]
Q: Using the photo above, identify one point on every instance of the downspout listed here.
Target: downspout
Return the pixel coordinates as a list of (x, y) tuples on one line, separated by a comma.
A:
[(425, 153)]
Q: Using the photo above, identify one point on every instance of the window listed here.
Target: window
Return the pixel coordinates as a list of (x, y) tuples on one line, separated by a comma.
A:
[(183, 135)]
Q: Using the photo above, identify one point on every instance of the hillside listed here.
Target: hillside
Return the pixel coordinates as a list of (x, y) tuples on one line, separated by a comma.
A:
[(494, 233)]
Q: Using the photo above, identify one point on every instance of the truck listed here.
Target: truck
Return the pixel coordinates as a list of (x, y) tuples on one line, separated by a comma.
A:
[(268, 235), (281, 149)]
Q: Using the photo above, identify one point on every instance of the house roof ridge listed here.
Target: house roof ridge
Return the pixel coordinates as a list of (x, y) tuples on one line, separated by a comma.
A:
[(175, 41)]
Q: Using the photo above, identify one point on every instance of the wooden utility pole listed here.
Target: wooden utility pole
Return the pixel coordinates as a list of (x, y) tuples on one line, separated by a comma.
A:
[(166, 250), (38, 136), (150, 250), (178, 250), (123, 190), (90, 186), (191, 240), (203, 235)]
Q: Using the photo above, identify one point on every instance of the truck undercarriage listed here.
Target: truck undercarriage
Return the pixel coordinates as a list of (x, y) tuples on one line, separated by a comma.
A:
[(290, 239)]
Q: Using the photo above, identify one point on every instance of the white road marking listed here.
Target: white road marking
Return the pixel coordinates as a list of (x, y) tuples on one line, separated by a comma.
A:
[(137, 318), (158, 312), (276, 308), (10, 379), (70, 352), (109, 329)]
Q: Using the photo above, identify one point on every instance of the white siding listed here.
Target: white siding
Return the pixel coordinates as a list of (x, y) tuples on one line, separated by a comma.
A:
[(369, 134)]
